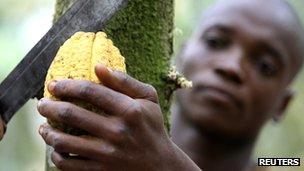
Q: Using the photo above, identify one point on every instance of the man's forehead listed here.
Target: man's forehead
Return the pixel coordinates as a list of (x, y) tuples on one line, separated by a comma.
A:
[(267, 12), (268, 5)]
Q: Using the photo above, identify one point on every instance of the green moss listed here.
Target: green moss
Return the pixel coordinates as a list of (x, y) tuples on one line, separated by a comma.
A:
[(143, 33)]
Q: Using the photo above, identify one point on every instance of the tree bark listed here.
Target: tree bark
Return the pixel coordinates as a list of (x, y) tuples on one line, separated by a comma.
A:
[(143, 32)]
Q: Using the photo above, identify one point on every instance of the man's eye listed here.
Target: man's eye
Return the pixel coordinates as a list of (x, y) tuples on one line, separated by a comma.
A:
[(216, 42), (267, 68)]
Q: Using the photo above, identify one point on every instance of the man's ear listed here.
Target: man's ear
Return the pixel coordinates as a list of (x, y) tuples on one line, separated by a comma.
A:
[(287, 97)]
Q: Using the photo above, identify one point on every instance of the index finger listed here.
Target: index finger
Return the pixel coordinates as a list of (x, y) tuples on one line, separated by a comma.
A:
[(109, 101), (125, 84)]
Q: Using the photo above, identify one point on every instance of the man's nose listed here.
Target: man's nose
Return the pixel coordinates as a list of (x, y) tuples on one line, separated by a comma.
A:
[(229, 68)]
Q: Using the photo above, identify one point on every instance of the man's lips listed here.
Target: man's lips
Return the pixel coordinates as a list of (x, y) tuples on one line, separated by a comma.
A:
[(218, 94)]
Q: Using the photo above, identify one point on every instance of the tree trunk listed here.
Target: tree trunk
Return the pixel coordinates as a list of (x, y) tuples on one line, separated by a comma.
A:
[(143, 33)]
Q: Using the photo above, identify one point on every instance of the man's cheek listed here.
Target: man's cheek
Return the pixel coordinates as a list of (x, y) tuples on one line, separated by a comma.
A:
[(263, 101), (195, 61), (189, 65)]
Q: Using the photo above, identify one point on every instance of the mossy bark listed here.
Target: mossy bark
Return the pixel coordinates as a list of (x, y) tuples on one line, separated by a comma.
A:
[(143, 33)]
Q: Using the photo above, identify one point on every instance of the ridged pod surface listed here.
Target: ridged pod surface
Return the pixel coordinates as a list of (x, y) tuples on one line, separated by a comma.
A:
[(76, 59)]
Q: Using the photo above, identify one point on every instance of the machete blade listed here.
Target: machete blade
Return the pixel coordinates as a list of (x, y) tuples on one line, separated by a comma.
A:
[(27, 79)]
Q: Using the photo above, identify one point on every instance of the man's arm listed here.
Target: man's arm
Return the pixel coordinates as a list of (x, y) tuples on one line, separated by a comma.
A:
[(131, 136)]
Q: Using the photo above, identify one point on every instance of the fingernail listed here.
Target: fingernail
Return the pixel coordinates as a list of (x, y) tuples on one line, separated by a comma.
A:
[(109, 69), (40, 102), (52, 85), (40, 130), (100, 66), (1, 135)]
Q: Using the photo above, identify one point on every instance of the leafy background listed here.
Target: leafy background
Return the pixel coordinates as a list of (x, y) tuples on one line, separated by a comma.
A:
[(23, 23)]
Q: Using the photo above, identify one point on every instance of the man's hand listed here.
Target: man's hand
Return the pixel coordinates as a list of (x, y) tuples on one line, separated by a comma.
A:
[(131, 136), (2, 128)]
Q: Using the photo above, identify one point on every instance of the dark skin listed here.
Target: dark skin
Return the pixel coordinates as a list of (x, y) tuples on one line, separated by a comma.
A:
[(241, 61), (2, 128), (131, 136)]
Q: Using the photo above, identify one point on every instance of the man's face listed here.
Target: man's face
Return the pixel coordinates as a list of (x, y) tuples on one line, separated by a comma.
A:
[(240, 63)]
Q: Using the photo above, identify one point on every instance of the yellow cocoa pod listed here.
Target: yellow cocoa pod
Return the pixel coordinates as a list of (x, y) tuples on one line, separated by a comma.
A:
[(76, 59)]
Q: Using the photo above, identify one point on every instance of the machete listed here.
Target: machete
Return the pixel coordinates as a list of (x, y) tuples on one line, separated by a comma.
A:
[(27, 79)]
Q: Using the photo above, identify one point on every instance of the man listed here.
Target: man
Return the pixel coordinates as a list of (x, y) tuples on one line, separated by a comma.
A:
[(241, 59)]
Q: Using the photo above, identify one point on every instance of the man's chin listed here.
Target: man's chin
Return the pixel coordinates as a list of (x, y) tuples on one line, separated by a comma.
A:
[(213, 115), (217, 126)]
